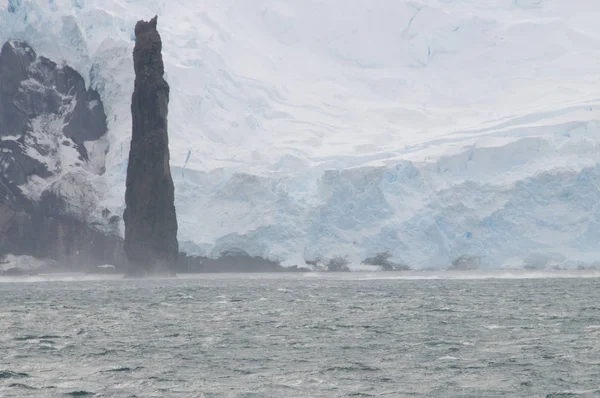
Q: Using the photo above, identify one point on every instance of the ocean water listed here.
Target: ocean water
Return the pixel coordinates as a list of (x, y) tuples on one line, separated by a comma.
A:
[(301, 335)]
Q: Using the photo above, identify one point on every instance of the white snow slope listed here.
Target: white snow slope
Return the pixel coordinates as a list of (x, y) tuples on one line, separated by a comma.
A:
[(431, 129)]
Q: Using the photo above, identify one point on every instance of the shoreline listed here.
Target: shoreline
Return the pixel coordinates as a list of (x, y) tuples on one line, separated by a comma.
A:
[(421, 275)]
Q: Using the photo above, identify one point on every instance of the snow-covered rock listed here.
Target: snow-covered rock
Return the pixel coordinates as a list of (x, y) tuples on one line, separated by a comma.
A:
[(301, 129), (52, 132)]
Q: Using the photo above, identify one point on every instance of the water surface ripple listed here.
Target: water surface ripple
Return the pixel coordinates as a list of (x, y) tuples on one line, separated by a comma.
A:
[(301, 336)]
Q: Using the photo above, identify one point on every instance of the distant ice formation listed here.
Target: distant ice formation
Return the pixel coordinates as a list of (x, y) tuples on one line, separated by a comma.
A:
[(433, 130)]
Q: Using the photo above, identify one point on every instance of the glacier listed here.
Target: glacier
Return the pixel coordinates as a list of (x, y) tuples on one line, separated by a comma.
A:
[(300, 129)]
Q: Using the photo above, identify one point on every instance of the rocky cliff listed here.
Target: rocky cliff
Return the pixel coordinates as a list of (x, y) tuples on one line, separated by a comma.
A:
[(150, 220), (52, 142), (47, 116), (69, 242)]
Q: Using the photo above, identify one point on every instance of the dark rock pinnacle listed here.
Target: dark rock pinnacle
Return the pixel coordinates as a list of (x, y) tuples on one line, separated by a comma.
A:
[(150, 220)]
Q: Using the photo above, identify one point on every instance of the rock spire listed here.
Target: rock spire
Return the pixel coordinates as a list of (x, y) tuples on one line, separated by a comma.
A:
[(150, 220)]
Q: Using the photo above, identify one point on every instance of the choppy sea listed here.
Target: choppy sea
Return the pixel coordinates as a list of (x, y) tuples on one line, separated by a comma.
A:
[(302, 335)]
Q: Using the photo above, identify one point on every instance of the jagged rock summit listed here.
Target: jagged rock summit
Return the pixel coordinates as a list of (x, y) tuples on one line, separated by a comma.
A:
[(150, 220)]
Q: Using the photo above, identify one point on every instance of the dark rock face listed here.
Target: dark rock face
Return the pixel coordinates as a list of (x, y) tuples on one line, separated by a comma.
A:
[(234, 260), (70, 242), (465, 263), (150, 221), (46, 116), (335, 264), (383, 260), (43, 106)]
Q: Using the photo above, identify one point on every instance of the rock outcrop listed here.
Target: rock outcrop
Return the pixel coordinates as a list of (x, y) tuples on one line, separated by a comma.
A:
[(51, 126), (46, 117), (150, 220), (71, 243)]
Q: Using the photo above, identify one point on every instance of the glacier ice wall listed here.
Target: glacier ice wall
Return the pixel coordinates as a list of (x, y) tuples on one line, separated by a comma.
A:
[(431, 129)]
